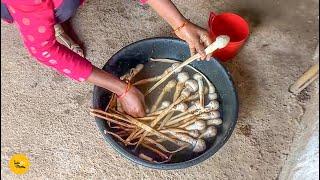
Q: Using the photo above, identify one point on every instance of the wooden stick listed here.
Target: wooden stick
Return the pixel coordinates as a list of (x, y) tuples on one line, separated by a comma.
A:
[(158, 145), (110, 114), (306, 79), (119, 138), (221, 42), (111, 120), (161, 154)]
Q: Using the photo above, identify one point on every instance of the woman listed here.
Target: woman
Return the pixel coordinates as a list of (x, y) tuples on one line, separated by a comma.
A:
[(38, 22)]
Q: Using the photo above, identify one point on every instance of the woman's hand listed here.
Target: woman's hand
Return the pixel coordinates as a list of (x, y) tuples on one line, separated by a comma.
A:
[(197, 38), (133, 103)]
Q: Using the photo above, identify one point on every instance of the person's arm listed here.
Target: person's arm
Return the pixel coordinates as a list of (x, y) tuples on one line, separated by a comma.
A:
[(36, 25), (195, 36)]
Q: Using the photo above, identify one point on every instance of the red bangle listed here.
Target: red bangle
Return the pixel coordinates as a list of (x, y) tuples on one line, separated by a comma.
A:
[(180, 27), (125, 92)]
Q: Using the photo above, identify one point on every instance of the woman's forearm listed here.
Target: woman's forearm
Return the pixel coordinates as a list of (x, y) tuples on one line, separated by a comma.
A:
[(168, 11), (106, 80)]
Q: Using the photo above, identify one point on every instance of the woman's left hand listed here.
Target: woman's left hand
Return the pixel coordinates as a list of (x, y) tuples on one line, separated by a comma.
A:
[(197, 38)]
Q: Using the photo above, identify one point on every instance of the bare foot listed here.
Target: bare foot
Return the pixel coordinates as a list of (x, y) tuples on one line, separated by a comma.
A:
[(63, 38)]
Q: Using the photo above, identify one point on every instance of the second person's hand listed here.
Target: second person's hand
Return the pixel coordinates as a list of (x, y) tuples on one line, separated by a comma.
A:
[(197, 38)]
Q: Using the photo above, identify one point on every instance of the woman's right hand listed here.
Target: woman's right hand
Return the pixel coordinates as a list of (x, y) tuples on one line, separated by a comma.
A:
[(133, 103)]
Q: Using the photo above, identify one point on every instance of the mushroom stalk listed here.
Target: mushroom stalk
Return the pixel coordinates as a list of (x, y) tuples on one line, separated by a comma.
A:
[(211, 131), (198, 78), (156, 78), (171, 84)]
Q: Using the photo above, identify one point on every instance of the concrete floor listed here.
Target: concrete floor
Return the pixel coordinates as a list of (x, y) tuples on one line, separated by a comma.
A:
[(46, 116)]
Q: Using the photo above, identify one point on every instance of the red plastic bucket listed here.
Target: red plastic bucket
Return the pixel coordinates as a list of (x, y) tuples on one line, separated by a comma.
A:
[(232, 25)]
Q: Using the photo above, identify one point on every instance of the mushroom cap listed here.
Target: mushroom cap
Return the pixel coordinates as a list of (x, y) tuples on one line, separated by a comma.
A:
[(197, 77), (207, 116), (199, 146), (214, 114), (195, 106), (212, 96), (182, 107), (212, 89), (214, 105), (183, 77), (198, 125), (194, 133), (165, 104), (216, 122), (222, 41), (192, 85), (211, 131)]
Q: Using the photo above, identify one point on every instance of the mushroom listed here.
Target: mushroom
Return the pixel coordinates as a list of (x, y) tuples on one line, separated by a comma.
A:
[(184, 94), (179, 107), (164, 105), (183, 107), (191, 85), (198, 144), (213, 104), (198, 77), (193, 133), (195, 106), (210, 115), (171, 84), (196, 96), (198, 125), (194, 112), (212, 92), (156, 78), (211, 131), (215, 122), (182, 78)]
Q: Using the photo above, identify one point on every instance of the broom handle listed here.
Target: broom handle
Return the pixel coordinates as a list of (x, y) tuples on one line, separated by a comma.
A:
[(306, 79)]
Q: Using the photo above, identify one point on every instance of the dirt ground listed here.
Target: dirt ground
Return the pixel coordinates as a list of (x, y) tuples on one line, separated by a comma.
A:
[(46, 116)]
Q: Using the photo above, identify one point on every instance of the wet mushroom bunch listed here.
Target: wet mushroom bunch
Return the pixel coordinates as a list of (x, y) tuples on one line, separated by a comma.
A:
[(182, 121)]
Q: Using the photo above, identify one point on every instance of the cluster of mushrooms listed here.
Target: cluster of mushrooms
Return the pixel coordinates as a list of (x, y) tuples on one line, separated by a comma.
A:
[(185, 122)]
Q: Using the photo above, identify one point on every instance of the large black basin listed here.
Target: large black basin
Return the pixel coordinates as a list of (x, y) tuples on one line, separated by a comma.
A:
[(140, 52)]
